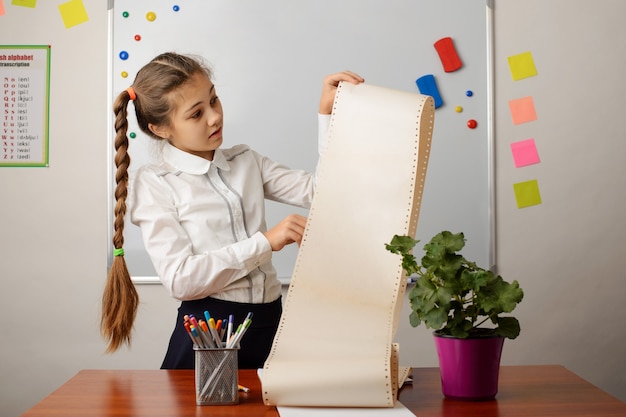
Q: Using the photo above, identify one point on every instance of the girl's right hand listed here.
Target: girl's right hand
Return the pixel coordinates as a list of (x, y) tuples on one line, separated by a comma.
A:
[(329, 88), (288, 231)]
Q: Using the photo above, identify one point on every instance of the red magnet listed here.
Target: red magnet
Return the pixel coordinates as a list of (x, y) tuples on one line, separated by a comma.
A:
[(472, 124), (447, 53)]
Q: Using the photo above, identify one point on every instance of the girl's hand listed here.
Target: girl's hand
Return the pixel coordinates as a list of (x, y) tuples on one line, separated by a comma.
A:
[(288, 231), (329, 88)]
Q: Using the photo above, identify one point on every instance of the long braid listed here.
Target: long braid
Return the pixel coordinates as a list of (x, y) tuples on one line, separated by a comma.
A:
[(151, 97), (120, 299)]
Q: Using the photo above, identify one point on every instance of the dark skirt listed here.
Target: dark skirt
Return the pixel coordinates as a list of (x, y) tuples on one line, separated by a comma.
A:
[(255, 344)]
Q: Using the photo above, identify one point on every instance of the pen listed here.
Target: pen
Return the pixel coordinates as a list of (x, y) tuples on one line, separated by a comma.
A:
[(193, 340), (229, 331), (214, 333), (241, 330), (199, 341), (200, 334), (229, 342), (242, 388), (223, 329), (205, 334)]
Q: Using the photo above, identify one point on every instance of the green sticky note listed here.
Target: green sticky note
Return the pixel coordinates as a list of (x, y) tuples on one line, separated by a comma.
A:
[(73, 13), (522, 66), (24, 3), (527, 193)]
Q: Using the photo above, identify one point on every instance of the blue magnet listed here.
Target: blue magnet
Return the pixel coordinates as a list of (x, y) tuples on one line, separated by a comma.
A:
[(123, 55), (176, 8), (427, 86), (469, 93)]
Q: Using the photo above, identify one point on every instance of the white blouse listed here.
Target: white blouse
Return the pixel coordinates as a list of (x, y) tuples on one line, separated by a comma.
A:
[(202, 221)]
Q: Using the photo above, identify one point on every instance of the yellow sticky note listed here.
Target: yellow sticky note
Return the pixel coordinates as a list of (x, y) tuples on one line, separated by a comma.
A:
[(527, 193), (522, 110), (73, 13), (24, 3), (522, 66)]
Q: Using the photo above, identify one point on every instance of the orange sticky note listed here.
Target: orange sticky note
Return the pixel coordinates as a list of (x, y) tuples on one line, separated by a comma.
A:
[(527, 193), (522, 110), (1, 7), (24, 3), (73, 13), (522, 66)]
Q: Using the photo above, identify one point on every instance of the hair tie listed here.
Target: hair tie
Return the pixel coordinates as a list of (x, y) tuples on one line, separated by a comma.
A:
[(131, 93), (118, 252)]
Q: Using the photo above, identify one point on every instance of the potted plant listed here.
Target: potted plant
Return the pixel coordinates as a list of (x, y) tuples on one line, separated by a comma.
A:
[(465, 305)]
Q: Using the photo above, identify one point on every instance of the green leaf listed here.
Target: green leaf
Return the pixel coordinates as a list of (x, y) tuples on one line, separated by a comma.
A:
[(458, 325), (475, 280), (404, 245), (446, 267), (426, 296), (499, 296), (435, 318), (507, 327), (414, 319), (401, 244), (445, 242)]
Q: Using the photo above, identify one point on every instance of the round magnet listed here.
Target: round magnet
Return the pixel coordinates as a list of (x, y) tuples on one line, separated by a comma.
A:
[(124, 74), (137, 38), (176, 8), (151, 16), (471, 123), (458, 109), (132, 135), (469, 93), (123, 55), (125, 14)]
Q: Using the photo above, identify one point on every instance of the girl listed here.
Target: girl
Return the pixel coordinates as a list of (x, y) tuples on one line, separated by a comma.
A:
[(201, 210)]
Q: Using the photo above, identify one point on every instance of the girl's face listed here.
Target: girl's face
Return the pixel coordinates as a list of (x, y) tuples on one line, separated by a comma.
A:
[(196, 122)]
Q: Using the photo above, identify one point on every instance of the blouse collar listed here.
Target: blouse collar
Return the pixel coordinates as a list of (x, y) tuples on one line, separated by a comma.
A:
[(192, 164)]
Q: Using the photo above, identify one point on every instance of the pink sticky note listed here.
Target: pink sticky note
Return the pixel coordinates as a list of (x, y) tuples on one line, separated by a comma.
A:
[(522, 110), (524, 153), (1, 7)]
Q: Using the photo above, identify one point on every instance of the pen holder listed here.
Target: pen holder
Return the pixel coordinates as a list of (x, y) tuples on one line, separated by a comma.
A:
[(216, 376)]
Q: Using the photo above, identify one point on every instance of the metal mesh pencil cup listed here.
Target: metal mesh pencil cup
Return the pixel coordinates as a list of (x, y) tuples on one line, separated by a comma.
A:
[(216, 376)]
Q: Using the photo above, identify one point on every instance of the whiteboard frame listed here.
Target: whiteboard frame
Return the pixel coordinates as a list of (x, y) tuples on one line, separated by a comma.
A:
[(490, 65)]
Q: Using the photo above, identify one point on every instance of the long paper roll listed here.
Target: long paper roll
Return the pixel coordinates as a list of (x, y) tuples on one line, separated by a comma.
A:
[(334, 345)]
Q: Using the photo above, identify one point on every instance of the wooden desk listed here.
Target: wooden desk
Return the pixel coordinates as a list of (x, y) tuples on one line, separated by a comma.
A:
[(524, 391)]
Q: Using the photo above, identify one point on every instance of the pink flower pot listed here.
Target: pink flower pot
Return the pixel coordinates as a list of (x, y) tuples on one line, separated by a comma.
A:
[(469, 367)]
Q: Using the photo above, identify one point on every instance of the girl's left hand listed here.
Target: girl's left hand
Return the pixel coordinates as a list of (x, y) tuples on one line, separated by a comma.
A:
[(329, 88)]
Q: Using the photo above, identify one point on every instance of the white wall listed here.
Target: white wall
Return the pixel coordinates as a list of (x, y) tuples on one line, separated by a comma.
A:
[(567, 252)]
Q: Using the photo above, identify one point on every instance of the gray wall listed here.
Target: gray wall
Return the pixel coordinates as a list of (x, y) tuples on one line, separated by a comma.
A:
[(567, 253)]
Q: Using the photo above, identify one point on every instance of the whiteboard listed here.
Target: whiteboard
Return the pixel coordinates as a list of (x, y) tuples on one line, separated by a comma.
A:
[(268, 58)]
